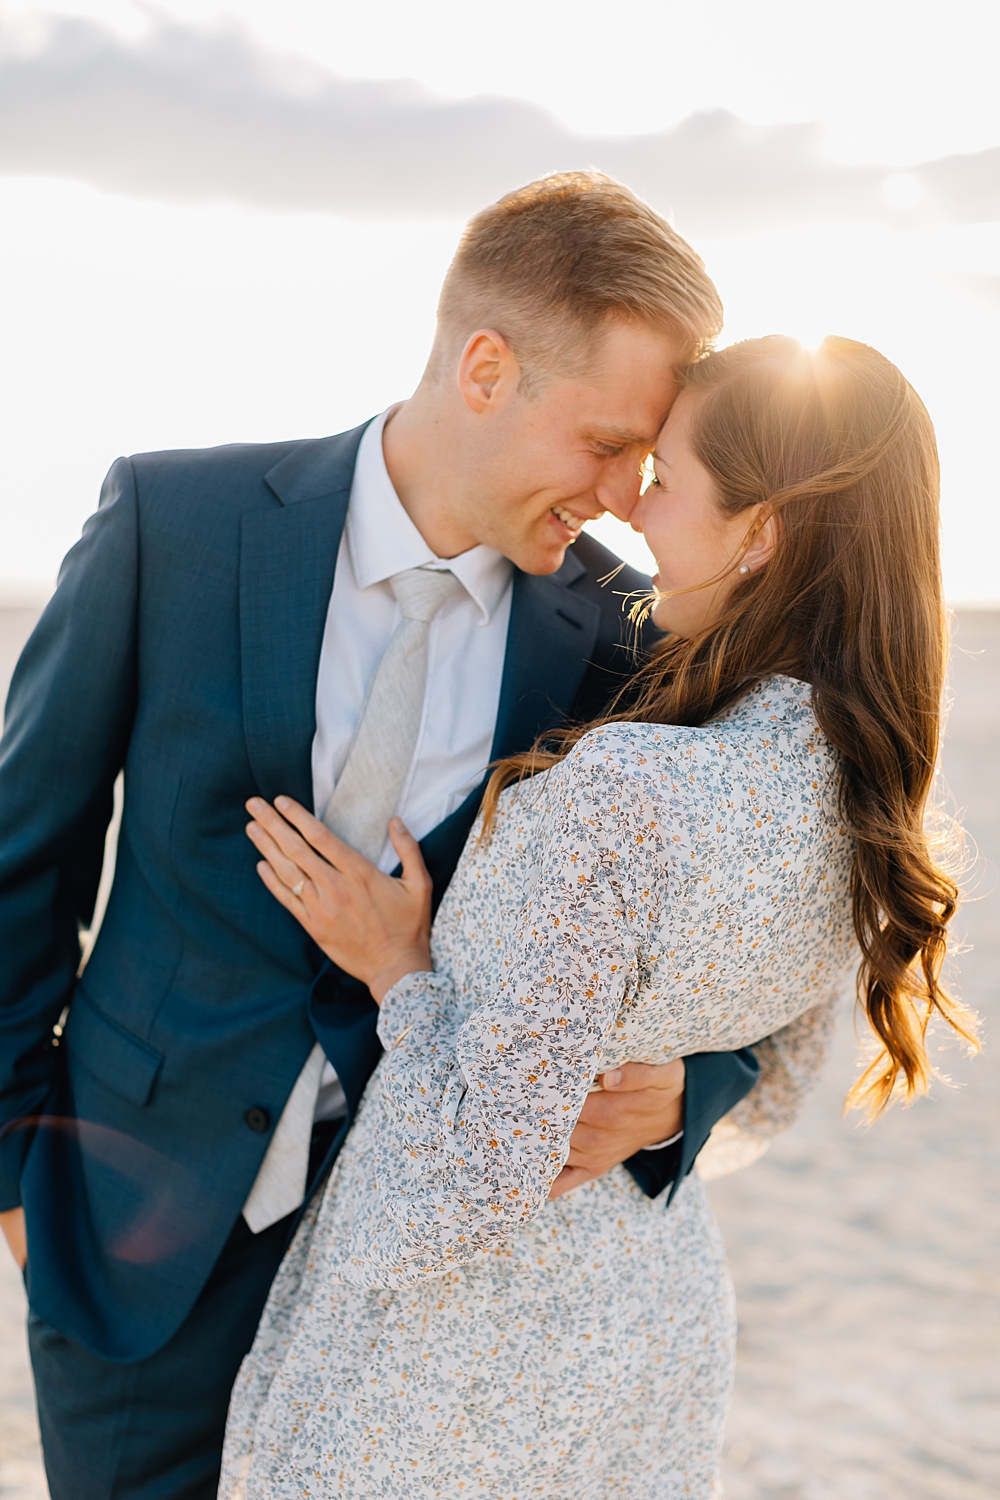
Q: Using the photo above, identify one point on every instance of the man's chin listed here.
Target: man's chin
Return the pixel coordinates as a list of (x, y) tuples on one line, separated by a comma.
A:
[(541, 561), (540, 567)]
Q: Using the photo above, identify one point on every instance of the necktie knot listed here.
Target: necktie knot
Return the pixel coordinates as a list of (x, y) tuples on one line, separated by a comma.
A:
[(420, 593)]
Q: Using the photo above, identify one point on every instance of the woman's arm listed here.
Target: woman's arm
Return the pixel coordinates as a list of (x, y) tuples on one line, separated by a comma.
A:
[(477, 1119), (790, 1062)]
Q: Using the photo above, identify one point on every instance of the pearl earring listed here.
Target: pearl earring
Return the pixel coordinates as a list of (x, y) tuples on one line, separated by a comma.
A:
[(745, 568)]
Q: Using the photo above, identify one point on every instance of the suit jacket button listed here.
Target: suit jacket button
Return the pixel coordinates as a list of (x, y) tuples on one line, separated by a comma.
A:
[(258, 1119)]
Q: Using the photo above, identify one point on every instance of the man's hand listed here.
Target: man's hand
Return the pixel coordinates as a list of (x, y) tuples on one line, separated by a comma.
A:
[(12, 1224), (638, 1106)]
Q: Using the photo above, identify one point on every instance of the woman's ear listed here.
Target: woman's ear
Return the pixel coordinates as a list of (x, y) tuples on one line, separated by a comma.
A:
[(761, 549), (487, 366)]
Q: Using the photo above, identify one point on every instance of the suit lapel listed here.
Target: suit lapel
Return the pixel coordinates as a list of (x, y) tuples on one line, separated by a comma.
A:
[(550, 642), (287, 560)]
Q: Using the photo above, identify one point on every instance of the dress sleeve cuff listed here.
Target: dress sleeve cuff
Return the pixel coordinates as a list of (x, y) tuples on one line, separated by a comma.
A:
[(419, 998)]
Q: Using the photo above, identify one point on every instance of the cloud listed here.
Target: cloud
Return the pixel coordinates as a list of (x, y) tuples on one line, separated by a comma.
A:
[(190, 114)]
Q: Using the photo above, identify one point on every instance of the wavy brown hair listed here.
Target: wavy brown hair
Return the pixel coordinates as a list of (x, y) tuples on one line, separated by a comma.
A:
[(839, 449)]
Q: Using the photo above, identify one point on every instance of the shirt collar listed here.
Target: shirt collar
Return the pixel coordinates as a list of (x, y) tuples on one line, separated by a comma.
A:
[(382, 539)]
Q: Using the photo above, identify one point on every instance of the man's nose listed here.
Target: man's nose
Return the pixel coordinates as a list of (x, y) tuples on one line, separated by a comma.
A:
[(619, 493)]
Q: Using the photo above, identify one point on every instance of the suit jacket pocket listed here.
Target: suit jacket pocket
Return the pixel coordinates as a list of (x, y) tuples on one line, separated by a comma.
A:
[(117, 1058)]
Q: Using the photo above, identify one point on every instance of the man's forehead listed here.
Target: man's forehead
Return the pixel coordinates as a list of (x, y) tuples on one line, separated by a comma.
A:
[(622, 414)]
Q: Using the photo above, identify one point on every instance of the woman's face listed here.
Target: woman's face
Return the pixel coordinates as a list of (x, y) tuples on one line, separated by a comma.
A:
[(691, 537)]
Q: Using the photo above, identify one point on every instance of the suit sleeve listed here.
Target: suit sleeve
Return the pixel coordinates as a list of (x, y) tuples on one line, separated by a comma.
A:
[(714, 1083), (68, 719)]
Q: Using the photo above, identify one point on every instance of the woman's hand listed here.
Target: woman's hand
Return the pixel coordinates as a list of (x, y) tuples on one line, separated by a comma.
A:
[(374, 926)]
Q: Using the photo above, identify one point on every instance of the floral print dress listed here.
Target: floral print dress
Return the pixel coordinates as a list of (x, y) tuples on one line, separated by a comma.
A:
[(439, 1328)]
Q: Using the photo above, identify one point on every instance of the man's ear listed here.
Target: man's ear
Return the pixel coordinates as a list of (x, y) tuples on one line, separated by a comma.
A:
[(487, 369)]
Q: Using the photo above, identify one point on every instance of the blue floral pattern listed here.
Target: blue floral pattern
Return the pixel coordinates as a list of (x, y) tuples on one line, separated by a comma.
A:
[(439, 1327)]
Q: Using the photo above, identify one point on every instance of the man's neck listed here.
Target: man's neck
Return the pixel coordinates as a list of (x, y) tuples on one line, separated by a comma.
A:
[(420, 462)]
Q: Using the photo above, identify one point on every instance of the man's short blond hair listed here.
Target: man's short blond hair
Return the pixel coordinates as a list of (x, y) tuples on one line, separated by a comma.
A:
[(550, 264)]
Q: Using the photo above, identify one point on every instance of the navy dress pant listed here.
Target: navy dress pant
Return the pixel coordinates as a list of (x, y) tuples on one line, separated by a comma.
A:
[(153, 1430)]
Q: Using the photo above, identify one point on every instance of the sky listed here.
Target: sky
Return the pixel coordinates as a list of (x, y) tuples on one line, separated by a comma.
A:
[(230, 224)]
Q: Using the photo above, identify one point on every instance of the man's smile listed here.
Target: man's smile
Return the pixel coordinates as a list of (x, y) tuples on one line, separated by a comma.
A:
[(566, 518)]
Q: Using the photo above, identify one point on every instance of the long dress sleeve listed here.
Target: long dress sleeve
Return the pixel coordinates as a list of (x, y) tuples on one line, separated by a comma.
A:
[(475, 1119), (790, 1063)]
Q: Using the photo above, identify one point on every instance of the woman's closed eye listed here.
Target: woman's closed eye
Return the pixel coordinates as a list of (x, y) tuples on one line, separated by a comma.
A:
[(648, 479)]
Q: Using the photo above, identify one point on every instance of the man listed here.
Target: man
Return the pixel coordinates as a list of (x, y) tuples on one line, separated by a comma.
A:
[(215, 633)]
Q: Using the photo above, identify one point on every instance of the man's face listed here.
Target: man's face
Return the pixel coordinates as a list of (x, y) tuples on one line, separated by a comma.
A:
[(542, 465)]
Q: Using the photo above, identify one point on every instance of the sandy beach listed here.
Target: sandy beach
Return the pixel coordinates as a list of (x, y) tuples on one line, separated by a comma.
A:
[(865, 1259)]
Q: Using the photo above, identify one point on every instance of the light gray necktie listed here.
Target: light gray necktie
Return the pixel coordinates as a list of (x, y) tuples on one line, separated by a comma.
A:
[(364, 799), (280, 1184), (367, 794)]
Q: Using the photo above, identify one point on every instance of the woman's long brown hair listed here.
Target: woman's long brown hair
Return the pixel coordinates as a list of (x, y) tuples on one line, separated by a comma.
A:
[(839, 449)]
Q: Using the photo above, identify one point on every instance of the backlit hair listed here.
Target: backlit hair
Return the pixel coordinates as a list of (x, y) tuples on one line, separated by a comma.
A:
[(839, 449), (550, 264)]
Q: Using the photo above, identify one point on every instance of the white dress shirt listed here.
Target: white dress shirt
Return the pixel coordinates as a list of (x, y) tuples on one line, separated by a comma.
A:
[(466, 649)]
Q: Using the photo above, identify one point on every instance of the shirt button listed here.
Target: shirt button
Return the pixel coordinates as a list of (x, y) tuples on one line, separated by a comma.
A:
[(258, 1119)]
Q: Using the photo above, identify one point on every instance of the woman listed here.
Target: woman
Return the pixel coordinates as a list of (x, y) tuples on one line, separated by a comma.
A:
[(698, 872)]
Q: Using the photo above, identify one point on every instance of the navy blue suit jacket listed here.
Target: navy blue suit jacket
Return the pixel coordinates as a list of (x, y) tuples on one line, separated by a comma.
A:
[(182, 645)]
